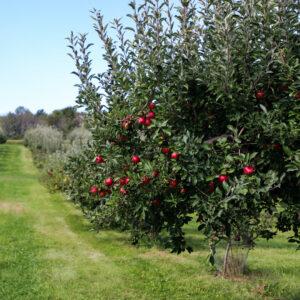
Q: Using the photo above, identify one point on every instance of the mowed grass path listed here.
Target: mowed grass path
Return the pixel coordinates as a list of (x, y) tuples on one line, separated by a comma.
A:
[(48, 251)]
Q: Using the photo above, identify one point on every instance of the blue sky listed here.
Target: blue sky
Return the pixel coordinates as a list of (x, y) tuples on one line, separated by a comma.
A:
[(35, 68)]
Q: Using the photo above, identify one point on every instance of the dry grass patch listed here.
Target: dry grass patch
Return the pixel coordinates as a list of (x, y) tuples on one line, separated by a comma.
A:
[(8, 207)]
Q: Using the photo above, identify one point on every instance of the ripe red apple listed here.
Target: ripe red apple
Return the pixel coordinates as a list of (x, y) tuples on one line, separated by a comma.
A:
[(148, 122), (248, 170), (175, 155), (155, 202), (297, 96), (211, 187), (102, 194), (284, 87), (183, 191), (135, 159), (99, 159), (124, 180), (94, 189), (146, 180), (141, 120), (165, 150), (126, 125), (223, 178), (260, 94), (108, 181), (173, 183), (155, 173), (277, 147), (151, 115), (123, 191), (151, 105), (126, 122), (122, 138)]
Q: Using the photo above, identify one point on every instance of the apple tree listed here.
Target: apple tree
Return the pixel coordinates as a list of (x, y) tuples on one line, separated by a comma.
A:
[(197, 113)]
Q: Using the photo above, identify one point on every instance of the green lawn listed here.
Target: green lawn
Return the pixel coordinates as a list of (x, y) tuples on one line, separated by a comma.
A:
[(48, 251)]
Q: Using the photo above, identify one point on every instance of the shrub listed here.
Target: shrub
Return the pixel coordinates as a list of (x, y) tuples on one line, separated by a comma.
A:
[(53, 173), (210, 102), (43, 139), (80, 136)]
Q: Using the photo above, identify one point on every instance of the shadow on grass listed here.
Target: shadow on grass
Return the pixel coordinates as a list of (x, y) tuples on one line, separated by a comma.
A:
[(115, 237), (82, 226)]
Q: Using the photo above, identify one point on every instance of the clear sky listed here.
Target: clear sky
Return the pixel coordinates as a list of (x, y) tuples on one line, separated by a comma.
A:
[(35, 68)]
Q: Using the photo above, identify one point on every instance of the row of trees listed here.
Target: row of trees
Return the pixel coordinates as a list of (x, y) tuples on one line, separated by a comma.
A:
[(201, 117), (15, 124)]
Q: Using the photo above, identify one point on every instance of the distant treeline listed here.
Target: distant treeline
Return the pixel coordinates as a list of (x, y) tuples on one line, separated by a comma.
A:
[(15, 124)]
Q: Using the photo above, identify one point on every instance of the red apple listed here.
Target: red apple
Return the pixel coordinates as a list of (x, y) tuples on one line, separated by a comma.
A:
[(155, 202), (124, 180), (211, 187), (183, 191), (146, 180), (141, 120), (175, 155), (284, 88), (248, 170), (260, 94), (151, 115), (94, 189), (126, 122), (297, 96), (126, 125), (165, 150), (99, 159), (122, 138), (155, 173), (108, 181), (173, 183), (123, 191), (151, 105), (102, 194), (135, 159), (277, 147), (223, 178), (148, 122)]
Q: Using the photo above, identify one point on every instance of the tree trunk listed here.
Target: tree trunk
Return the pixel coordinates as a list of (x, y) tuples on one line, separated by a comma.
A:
[(226, 258)]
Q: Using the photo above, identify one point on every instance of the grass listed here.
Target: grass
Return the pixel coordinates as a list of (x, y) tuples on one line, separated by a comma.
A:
[(48, 251)]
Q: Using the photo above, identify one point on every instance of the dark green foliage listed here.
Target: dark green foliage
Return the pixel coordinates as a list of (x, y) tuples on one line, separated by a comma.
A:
[(3, 138)]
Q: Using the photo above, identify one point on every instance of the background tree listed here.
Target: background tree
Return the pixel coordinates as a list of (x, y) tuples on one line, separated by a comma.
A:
[(65, 119)]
